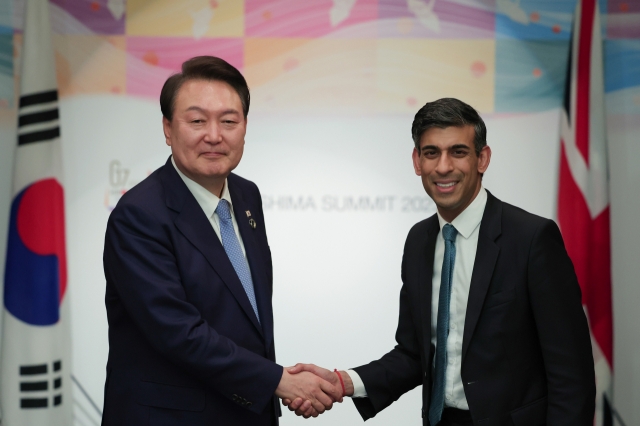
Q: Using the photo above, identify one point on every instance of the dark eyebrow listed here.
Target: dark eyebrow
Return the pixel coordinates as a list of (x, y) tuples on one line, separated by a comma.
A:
[(451, 148), (426, 147), (225, 112), (459, 146), (195, 108)]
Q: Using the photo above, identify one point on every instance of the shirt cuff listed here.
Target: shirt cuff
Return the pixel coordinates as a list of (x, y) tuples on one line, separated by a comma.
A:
[(358, 387)]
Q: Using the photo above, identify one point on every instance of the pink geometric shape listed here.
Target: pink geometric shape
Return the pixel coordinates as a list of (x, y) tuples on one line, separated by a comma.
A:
[(151, 60), (296, 18)]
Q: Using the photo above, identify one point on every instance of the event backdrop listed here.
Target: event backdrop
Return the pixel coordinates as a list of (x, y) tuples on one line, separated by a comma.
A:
[(334, 87)]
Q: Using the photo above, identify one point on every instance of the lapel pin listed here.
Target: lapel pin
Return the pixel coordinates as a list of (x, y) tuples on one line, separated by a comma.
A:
[(248, 213), (252, 223)]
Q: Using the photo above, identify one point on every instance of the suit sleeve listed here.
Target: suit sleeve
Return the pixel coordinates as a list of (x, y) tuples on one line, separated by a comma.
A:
[(139, 262), (562, 330), (397, 372)]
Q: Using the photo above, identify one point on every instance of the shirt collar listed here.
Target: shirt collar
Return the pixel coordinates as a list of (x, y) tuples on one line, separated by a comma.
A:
[(207, 201), (467, 221)]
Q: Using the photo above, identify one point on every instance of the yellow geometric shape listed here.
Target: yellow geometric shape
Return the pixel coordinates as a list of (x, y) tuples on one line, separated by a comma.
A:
[(311, 75), (413, 72), (90, 64), (187, 18)]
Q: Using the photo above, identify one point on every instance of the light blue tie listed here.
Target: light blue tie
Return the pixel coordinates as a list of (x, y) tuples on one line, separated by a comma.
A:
[(234, 252), (437, 395)]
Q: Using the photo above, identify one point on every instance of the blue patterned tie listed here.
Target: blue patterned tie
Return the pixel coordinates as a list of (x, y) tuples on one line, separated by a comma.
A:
[(234, 252), (437, 395)]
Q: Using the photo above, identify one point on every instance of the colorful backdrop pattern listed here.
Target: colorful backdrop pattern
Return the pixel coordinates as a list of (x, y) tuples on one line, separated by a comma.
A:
[(503, 56), (334, 87)]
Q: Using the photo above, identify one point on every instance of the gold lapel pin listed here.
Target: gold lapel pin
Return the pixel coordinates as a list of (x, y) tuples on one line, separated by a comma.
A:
[(252, 223)]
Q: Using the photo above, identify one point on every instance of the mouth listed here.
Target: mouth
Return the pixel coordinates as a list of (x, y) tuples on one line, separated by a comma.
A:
[(213, 154), (445, 187)]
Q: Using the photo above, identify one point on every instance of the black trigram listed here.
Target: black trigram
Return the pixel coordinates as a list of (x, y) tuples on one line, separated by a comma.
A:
[(35, 379), (38, 117)]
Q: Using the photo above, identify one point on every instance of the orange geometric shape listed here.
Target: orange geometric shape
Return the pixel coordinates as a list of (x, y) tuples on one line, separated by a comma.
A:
[(556, 28), (535, 17), (151, 58), (95, 6), (624, 7), (82, 73), (478, 68), (266, 15), (537, 72)]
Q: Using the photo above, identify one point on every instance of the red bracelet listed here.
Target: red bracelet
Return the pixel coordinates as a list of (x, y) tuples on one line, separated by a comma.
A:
[(344, 392)]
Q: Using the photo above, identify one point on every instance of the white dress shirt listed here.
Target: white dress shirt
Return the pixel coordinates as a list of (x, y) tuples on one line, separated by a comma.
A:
[(468, 225), (209, 202)]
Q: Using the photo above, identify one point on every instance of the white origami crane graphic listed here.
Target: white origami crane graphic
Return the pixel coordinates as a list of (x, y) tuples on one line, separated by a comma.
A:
[(340, 11), (424, 13), (201, 21), (513, 10)]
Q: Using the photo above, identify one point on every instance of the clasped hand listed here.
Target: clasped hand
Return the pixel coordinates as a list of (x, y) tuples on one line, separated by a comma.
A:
[(309, 390)]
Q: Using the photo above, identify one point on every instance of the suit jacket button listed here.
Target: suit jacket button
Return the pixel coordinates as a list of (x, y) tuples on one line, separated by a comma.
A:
[(248, 403)]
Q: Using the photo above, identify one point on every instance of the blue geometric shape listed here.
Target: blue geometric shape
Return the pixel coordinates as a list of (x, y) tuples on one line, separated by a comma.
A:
[(31, 283), (530, 75), (622, 64), (534, 19)]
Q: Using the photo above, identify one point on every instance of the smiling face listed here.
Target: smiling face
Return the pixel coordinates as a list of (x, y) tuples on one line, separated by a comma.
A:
[(206, 133), (450, 169)]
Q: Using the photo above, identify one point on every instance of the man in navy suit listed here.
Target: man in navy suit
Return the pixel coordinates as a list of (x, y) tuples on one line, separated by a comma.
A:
[(491, 322), (189, 276)]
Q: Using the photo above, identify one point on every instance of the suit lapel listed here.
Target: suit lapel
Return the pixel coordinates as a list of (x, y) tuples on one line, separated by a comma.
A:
[(256, 259), (486, 257), (195, 226), (426, 279)]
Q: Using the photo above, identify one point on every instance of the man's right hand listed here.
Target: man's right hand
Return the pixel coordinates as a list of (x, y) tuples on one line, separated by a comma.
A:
[(314, 393), (302, 407)]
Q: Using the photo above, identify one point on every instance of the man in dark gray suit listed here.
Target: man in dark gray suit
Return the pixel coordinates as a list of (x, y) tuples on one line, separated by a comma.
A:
[(491, 322)]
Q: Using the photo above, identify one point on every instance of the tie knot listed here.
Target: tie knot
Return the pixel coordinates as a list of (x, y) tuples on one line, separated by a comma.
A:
[(223, 210), (449, 232)]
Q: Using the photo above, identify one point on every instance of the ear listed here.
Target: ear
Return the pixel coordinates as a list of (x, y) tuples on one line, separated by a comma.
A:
[(415, 156), (166, 127), (484, 158)]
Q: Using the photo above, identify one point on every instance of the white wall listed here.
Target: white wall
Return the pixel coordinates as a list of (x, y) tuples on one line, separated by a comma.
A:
[(337, 270)]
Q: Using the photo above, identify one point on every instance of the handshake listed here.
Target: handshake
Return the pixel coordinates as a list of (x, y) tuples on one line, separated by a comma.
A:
[(309, 390)]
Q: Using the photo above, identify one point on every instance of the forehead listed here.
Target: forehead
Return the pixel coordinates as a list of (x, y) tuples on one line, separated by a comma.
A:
[(207, 94), (448, 136)]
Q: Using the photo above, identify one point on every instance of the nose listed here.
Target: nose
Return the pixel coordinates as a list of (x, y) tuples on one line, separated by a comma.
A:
[(444, 165), (213, 133)]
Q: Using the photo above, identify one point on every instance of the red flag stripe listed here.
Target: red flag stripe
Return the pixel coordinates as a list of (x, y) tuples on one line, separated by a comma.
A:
[(588, 243), (584, 78)]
